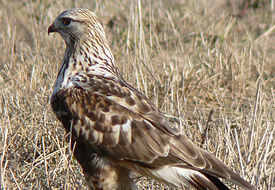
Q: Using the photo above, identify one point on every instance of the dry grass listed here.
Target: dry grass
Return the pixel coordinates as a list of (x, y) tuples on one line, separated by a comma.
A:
[(211, 70)]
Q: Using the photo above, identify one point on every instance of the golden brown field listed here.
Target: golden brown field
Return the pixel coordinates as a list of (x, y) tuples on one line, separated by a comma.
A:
[(208, 67)]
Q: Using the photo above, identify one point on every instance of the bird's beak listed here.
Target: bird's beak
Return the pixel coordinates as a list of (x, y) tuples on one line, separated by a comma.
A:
[(51, 29)]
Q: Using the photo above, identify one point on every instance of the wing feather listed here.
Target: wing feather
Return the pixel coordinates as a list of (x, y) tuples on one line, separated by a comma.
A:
[(128, 97), (119, 132), (127, 127)]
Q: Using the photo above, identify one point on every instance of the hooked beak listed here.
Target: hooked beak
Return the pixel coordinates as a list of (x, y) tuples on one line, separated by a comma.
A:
[(51, 29)]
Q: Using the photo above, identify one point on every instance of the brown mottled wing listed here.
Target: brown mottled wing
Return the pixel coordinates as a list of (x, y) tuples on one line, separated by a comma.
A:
[(115, 130), (121, 122), (128, 97)]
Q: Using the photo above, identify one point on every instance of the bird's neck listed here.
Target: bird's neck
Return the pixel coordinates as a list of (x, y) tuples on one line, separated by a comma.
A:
[(89, 59), (83, 61)]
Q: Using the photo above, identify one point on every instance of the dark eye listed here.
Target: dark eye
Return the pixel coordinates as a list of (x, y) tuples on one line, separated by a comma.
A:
[(66, 21)]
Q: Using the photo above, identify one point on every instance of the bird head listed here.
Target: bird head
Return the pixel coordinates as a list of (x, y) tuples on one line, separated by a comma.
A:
[(85, 38), (76, 23)]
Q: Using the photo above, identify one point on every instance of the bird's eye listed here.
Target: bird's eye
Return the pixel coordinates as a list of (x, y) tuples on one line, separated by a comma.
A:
[(66, 21)]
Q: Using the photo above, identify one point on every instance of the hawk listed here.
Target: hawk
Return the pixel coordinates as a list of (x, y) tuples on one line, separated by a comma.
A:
[(114, 128)]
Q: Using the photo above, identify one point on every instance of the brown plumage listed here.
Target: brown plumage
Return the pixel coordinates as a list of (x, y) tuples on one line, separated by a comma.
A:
[(114, 128)]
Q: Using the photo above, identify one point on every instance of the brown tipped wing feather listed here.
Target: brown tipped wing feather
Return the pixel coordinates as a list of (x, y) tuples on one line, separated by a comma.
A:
[(133, 133), (120, 128)]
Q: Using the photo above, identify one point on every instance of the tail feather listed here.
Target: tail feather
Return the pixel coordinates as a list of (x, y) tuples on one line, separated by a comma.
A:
[(200, 161), (180, 177), (228, 174), (220, 185)]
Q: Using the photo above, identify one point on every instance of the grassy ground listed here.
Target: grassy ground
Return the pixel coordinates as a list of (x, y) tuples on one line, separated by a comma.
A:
[(207, 64)]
